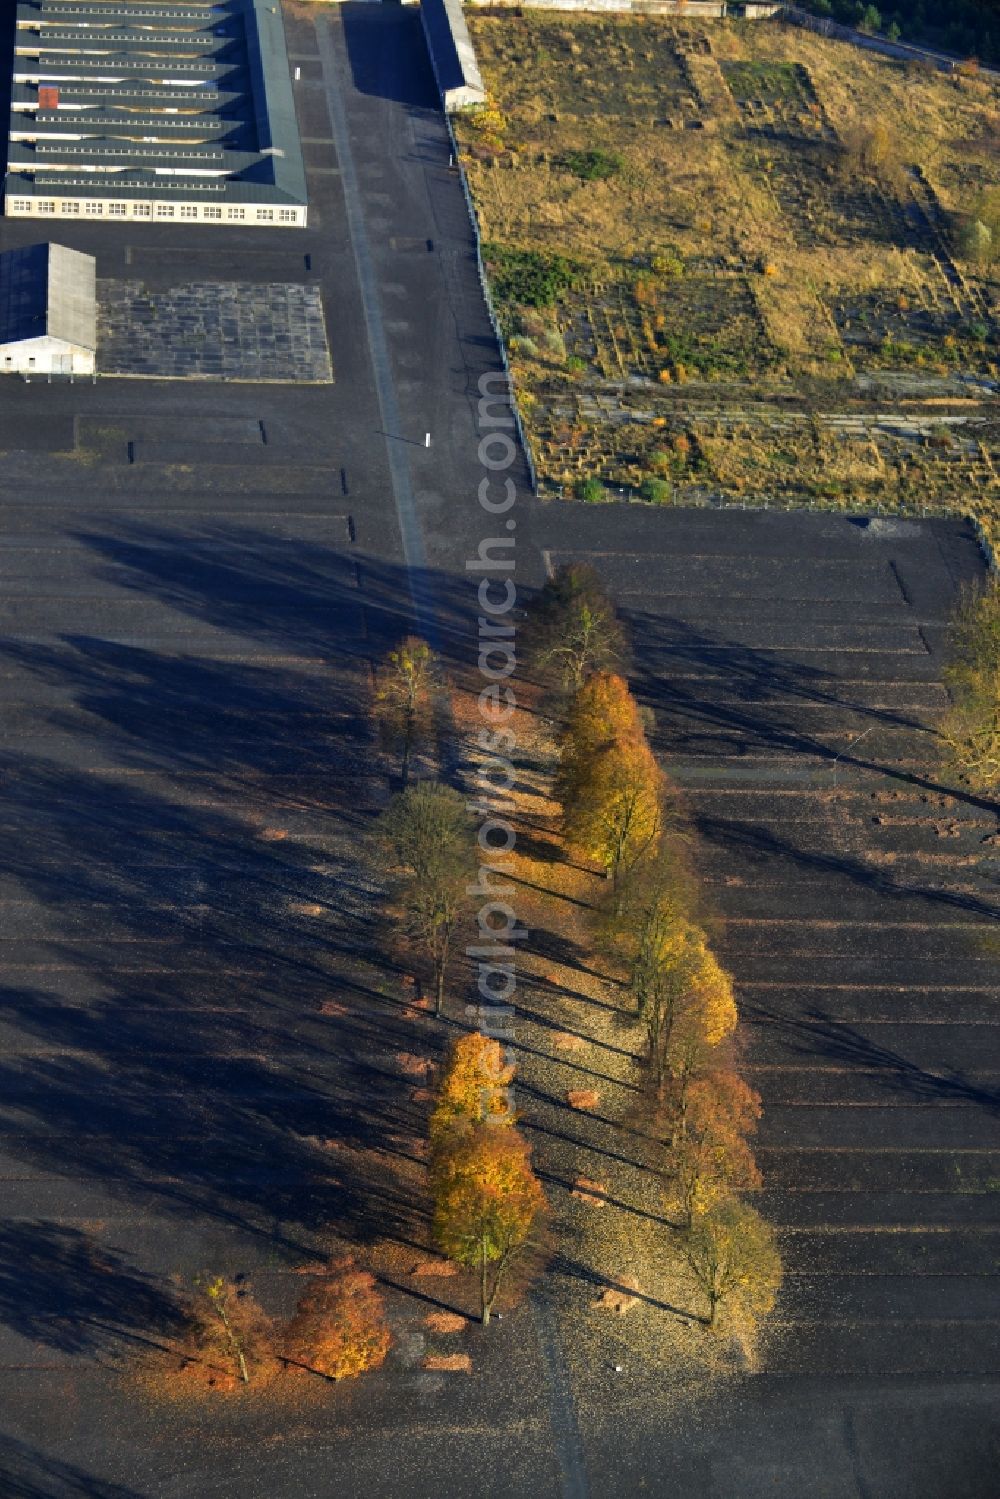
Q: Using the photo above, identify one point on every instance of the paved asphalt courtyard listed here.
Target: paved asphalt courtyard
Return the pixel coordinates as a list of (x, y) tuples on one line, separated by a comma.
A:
[(193, 580)]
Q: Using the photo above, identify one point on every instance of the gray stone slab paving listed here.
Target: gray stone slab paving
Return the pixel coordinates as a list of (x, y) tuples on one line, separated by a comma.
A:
[(221, 330)]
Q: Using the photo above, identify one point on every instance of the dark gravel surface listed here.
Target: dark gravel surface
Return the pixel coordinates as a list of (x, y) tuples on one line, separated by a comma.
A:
[(192, 582)]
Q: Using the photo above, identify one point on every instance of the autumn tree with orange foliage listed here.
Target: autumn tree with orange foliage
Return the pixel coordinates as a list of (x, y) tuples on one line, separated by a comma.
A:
[(474, 1088), (683, 995), (487, 1201), (719, 1104), (339, 1328), (227, 1336), (711, 1157), (609, 784)]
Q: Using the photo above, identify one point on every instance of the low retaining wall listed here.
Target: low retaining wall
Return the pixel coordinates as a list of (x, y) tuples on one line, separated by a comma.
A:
[(712, 10), (494, 320), (901, 51)]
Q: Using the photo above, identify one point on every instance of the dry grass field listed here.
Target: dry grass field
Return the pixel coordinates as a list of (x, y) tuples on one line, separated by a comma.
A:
[(732, 261)]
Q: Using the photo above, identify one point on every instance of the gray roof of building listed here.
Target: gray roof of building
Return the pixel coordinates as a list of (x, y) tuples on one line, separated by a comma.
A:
[(48, 289), (69, 10), (55, 66), (209, 100), (238, 65), (451, 46), (128, 187)]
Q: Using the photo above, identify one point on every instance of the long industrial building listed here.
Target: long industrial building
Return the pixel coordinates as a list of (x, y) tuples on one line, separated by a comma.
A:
[(153, 110)]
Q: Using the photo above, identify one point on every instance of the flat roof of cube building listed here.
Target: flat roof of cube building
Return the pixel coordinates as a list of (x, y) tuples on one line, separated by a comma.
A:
[(154, 100)]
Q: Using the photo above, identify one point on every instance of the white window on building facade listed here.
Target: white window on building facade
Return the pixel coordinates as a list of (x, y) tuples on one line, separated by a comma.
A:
[(264, 215)]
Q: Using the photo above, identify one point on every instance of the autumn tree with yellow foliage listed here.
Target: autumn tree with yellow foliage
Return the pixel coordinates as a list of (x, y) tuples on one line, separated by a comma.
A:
[(705, 1015), (487, 1201), (474, 1088), (683, 995), (609, 784), (733, 1257)]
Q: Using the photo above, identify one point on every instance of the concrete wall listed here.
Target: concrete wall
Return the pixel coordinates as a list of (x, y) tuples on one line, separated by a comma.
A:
[(44, 356), (695, 9), (901, 51), (157, 210)]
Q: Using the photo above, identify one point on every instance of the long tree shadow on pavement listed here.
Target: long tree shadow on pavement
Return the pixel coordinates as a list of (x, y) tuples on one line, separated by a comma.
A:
[(63, 1289), (26, 1473), (818, 1034)]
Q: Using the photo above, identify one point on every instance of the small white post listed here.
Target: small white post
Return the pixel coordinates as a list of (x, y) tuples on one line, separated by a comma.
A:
[(298, 74), (427, 439)]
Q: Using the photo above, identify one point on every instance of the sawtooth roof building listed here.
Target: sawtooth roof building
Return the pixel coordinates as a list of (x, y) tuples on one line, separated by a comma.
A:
[(147, 109)]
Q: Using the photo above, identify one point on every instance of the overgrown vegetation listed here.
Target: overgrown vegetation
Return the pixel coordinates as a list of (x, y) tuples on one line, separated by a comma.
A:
[(530, 277), (592, 166), (971, 727), (770, 254)]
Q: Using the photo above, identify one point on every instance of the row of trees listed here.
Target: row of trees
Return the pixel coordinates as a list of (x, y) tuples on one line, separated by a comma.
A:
[(488, 1205), (617, 813), (423, 843), (339, 1329)]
